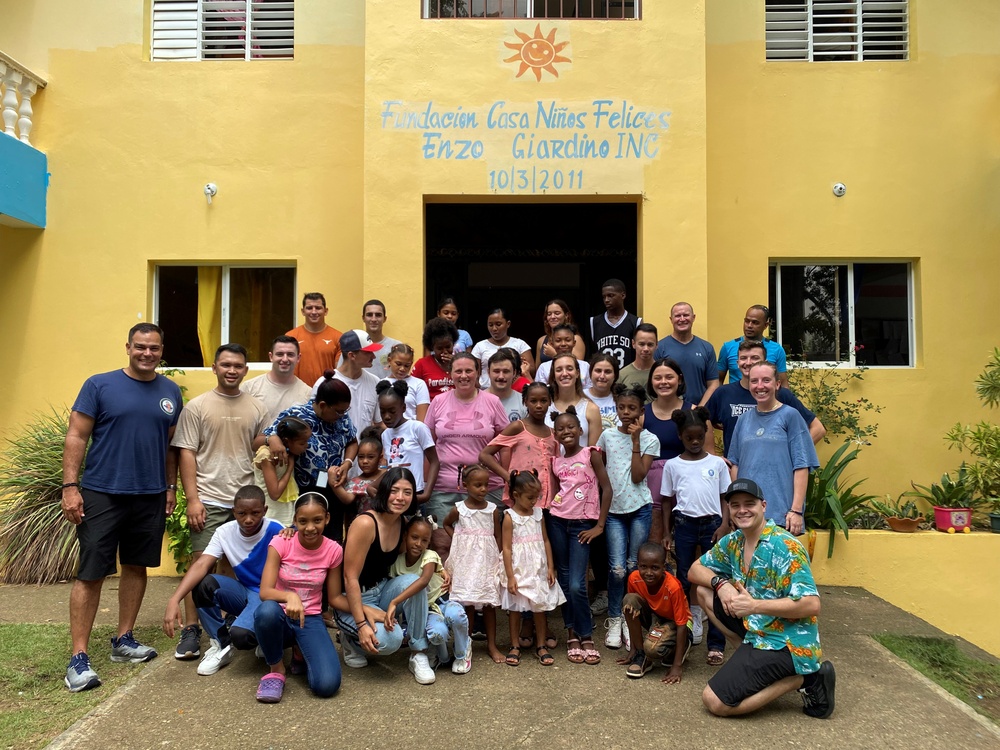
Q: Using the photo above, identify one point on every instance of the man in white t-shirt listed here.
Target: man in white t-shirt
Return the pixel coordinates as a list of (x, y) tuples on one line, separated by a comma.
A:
[(215, 435), (501, 368), (279, 388), (374, 317), (354, 371)]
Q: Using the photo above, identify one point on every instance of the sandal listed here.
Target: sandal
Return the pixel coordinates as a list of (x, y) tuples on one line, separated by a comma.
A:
[(272, 685), (551, 642), (546, 659), (715, 658), (591, 655), (575, 654), (513, 656)]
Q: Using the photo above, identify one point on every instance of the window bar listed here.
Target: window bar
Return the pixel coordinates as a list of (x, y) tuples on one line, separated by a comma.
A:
[(777, 304), (224, 333), (852, 298)]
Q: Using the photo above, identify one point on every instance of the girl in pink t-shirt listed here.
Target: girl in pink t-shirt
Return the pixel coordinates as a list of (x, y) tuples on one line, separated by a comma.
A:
[(530, 442), (576, 518), (291, 592)]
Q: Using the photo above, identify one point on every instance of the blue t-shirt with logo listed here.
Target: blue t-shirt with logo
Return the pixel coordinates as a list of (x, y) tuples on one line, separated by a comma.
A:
[(731, 400), (729, 357), (132, 421)]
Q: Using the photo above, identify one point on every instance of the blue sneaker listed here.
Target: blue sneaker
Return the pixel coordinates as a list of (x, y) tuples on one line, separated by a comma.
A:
[(79, 675), (128, 649)]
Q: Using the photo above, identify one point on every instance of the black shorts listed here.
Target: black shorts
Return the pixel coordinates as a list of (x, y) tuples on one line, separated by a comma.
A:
[(129, 526), (749, 671)]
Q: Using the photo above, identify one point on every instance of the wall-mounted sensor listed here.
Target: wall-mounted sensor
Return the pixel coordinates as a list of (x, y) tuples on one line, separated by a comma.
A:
[(210, 189), (839, 189)]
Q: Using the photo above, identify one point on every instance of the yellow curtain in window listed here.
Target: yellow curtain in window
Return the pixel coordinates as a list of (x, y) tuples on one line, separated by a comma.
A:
[(209, 311)]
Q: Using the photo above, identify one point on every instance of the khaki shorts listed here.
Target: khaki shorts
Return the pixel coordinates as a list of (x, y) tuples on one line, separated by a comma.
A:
[(656, 646), (214, 518)]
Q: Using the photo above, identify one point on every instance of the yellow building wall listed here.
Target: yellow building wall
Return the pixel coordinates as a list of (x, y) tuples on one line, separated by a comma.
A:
[(656, 66), (131, 144), (916, 143)]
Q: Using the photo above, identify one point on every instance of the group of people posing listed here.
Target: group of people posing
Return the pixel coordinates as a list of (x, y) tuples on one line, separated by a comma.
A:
[(402, 500)]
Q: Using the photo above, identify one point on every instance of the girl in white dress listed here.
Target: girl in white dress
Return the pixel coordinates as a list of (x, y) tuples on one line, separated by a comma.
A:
[(529, 572), (474, 559)]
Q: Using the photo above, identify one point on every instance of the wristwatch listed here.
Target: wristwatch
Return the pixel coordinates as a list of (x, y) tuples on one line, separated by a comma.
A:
[(717, 581)]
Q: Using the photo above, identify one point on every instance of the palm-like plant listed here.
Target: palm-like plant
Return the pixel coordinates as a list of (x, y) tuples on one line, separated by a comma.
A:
[(830, 505), (37, 545)]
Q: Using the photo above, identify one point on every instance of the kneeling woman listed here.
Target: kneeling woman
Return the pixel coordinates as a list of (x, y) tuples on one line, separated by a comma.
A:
[(368, 621), (291, 592)]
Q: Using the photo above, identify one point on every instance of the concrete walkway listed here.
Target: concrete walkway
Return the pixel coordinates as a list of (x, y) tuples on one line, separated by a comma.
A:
[(881, 703)]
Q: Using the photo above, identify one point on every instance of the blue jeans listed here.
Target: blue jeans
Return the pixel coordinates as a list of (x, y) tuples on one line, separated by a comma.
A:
[(412, 615), (688, 534), (454, 620), (275, 630), (572, 558), (218, 592), (626, 533)]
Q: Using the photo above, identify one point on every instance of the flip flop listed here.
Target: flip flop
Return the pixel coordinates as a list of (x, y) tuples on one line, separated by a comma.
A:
[(546, 659), (513, 657)]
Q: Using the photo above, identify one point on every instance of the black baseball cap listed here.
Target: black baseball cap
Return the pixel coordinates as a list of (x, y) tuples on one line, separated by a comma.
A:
[(747, 486)]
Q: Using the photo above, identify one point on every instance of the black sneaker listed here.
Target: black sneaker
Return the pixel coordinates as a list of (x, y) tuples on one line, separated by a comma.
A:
[(189, 646), (817, 700), (478, 627)]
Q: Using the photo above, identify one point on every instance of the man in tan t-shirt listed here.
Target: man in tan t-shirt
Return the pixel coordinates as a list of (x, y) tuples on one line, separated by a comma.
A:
[(279, 388), (215, 435), (644, 342), (319, 344)]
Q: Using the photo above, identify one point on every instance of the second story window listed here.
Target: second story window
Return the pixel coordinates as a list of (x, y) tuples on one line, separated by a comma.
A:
[(222, 30), (837, 30), (554, 9)]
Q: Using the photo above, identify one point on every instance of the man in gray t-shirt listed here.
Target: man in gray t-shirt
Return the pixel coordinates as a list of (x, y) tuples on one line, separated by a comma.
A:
[(374, 317)]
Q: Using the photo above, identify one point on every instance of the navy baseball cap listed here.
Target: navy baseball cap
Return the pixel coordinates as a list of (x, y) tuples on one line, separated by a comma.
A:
[(747, 486), (350, 342)]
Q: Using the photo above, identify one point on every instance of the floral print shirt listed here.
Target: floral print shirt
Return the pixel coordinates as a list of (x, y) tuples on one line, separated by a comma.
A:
[(779, 569)]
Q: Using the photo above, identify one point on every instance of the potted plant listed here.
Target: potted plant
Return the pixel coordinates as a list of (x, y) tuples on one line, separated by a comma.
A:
[(982, 441), (831, 503), (901, 515), (952, 501)]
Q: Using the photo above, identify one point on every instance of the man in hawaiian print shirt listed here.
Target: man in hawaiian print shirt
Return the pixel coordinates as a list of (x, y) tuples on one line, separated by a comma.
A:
[(757, 587)]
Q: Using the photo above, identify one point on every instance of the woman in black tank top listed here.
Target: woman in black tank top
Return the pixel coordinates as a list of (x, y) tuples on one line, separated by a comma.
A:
[(370, 624)]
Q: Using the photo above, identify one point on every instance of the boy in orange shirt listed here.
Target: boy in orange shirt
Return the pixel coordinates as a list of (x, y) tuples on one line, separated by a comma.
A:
[(655, 601)]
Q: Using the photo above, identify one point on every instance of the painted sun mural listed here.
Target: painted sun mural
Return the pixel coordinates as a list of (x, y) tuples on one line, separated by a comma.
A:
[(537, 53)]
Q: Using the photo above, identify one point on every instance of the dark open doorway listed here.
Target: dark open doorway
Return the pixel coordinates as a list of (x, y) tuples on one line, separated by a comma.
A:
[(520, 255)]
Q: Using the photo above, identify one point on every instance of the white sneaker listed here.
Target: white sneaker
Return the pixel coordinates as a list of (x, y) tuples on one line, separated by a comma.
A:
[(462, 664), (614, 637), (354, 655), (697, 625), (421, 668), (626, 636), (258, 652), (215, 658), (600, 605)]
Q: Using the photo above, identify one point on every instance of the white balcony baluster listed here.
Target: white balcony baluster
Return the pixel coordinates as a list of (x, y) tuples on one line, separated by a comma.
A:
[(27, 90), (18, 85)]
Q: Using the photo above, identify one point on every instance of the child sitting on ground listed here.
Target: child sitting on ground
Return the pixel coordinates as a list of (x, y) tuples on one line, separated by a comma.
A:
[(444, 616), (656, 601)]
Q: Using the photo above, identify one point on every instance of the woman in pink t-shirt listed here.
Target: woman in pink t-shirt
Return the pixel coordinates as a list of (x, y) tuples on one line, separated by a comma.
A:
[(463, 422), (291, 592)]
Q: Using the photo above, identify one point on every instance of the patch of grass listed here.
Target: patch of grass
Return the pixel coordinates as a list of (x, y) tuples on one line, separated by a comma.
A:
[(973, 681), (35, 705)]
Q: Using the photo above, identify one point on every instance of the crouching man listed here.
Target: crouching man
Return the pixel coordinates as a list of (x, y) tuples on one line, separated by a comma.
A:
[(757, 587)]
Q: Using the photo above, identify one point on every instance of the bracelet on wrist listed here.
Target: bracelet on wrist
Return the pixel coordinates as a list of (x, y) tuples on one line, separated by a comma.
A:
[(172, 487), (70, 484), (796, 512), (366, 623)]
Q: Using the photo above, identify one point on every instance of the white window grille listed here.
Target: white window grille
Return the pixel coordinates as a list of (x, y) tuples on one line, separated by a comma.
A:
[(218, 30), (836, 30), (844, 313)]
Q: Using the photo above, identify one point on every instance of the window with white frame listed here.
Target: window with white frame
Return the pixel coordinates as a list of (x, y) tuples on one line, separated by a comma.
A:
[(530, 9), (222, 30), (201, 307), (836, 30), (844, 313)]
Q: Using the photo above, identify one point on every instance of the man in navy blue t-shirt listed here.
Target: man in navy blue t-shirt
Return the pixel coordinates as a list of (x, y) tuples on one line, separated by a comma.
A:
[(120, 504), (729, 401)]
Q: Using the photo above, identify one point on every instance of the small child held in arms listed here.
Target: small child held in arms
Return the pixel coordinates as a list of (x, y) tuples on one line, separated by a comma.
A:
[(657, 603), (444, 616)]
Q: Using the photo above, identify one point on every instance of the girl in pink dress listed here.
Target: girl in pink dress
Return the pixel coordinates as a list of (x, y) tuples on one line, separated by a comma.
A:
[(530, 442), (529, 573), (474, 560)]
